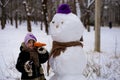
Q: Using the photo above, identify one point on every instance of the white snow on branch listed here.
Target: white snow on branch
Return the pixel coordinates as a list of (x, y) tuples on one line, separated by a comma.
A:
[(32, 11), (24, 2), (28, 14), (90, 2)]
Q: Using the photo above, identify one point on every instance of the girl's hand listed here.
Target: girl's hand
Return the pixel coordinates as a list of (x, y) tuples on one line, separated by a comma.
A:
[(28, 66), (41, 50)]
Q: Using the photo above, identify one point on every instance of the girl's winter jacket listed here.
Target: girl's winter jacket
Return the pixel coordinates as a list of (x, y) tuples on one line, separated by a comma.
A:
[(31, 55)]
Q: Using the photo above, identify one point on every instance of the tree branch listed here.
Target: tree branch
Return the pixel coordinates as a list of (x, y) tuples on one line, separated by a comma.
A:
[(1, 4), (90, 3), (6, 3)]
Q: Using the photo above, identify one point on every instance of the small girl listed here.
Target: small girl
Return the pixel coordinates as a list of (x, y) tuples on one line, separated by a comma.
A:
[(30, 59)]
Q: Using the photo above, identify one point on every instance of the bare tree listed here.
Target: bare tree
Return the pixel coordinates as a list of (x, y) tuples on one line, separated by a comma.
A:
[(86, 7), (11, 18), (28, 12), (16, 19), (44, 7), (3, 18)]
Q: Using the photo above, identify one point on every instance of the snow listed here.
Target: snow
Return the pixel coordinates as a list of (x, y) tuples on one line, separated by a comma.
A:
[(108, 59)]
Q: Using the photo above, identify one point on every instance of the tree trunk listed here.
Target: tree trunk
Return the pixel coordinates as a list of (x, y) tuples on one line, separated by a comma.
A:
[(28, 13), (3, 18), (74, 7), (28, 24), (97, 25), (44, 7), (16, 19), (11, 18)]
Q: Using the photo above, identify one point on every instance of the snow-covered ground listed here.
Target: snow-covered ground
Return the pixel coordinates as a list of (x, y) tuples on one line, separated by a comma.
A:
[(11, 39)]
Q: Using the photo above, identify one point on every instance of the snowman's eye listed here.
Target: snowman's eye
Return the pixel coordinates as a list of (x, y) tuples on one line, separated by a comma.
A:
[(53, 22), (62, 22)]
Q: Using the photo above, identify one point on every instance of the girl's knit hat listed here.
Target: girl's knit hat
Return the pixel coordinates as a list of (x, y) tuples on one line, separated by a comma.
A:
[(28, 37), (64, 9)]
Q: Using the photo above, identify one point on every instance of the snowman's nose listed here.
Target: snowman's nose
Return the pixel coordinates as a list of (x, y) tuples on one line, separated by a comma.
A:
[(57, 26)]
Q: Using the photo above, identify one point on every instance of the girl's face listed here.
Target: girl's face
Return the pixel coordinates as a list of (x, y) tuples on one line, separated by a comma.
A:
[(30, 44)]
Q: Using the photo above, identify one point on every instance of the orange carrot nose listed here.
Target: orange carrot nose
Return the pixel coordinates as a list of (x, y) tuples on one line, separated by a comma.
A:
[(38, 44)]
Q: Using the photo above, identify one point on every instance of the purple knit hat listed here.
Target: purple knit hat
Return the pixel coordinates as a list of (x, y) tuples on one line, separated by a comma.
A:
[(64, 9), (28, 37)]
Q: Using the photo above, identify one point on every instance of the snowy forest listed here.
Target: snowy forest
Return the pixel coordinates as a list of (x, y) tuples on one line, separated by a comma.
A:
[(101, 19), (43, 11)]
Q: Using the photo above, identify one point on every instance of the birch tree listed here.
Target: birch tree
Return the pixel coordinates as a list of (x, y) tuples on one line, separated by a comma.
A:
[(97, 25)]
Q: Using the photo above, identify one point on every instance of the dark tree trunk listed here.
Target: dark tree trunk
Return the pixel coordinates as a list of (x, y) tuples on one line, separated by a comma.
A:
[(11, 18), (3, 18), (44, 7), (28, 13), (28, 24), (74, 7), (16, 20)]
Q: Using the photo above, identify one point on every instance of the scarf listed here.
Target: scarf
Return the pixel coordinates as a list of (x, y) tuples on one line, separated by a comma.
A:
[(59, 47), (33, 54)]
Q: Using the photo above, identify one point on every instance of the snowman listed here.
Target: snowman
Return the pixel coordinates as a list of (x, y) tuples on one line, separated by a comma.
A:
[(67, 59)]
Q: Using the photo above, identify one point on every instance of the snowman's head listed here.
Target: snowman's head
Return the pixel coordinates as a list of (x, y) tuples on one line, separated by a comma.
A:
[(65, 27)]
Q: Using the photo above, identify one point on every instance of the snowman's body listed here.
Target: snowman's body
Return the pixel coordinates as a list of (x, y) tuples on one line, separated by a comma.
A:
[(69, 65)]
